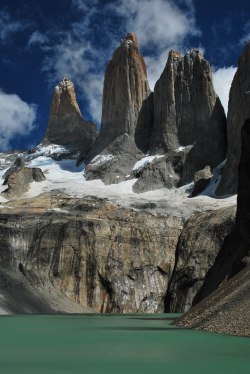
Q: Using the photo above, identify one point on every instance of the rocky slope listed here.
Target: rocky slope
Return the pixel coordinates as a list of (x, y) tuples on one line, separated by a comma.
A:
[(225, 311), (238, 112), (127, 111), (66, 125)]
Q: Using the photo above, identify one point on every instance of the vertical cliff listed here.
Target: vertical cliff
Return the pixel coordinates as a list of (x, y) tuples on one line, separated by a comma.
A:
[(238, 112), (66, 125)]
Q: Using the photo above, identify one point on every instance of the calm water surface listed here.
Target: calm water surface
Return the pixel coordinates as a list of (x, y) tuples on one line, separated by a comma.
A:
[(100, 344)]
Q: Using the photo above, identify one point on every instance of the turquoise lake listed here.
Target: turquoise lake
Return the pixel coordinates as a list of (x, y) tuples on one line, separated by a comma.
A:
[(119, 344)]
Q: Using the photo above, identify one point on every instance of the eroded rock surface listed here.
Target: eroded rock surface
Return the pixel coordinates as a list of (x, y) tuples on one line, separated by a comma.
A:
[(98, 255)]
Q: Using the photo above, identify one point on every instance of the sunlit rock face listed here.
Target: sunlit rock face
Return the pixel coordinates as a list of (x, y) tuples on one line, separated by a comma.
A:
[(96, 254), (127, 114), (66, 125), (187, 112), (238, 113)]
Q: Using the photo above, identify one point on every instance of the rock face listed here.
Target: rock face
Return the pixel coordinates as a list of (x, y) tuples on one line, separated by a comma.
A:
[(66, 125), (238, 112), (187, 112), (19, 181), (200, 242), (202, 179), (96, 254), (127, 111)]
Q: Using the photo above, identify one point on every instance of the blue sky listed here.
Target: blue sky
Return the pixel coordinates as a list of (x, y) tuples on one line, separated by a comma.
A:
[(41, 41)]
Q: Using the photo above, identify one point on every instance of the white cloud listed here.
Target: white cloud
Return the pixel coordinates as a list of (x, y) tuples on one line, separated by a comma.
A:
[(222, 78), (16, 118), (8, 26), (37, 38), (161, 25)]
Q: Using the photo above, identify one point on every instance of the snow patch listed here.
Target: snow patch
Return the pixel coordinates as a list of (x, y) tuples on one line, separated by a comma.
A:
[(140, 165), (102, 159)]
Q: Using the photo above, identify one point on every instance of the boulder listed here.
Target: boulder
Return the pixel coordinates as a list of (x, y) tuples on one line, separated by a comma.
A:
[(19, 181), (202, 179)]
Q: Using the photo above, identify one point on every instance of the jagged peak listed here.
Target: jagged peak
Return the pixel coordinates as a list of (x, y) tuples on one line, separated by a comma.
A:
[(175, 54), (130, 40), (64, 85), (194, 52)]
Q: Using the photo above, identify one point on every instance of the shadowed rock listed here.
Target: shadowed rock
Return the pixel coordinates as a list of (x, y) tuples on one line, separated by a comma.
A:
[(238, 112)]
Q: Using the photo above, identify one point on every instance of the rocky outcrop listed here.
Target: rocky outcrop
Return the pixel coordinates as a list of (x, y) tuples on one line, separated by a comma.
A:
[(66, 125), (238, 112), (162, 172), (200, 243), (97, 254), (19, 180), (187, 112), (225, 311), (127, 111), (202, 179)]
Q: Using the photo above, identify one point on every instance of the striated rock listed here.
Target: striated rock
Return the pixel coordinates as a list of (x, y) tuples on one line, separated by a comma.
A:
[(127, 111), (19, 180), (200, 242), (202, 179), (187, 112), (66, 125), (225, 311), (238, 112), (97, 254)]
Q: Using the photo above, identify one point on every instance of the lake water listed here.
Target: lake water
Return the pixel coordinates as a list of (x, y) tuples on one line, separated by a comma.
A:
[(119, 344)]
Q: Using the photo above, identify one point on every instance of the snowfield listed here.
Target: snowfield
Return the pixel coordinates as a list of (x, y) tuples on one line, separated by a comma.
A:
[(66, 176)]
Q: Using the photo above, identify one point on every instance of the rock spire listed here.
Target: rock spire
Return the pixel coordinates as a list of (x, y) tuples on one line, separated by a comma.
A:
[(66, 125), (125, 90), (127, 114), (187, 112)]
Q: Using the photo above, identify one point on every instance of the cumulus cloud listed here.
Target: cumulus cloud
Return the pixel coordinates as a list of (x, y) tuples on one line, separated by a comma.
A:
[(161, 26), (8, 26), (16, 118), (222, 78)]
